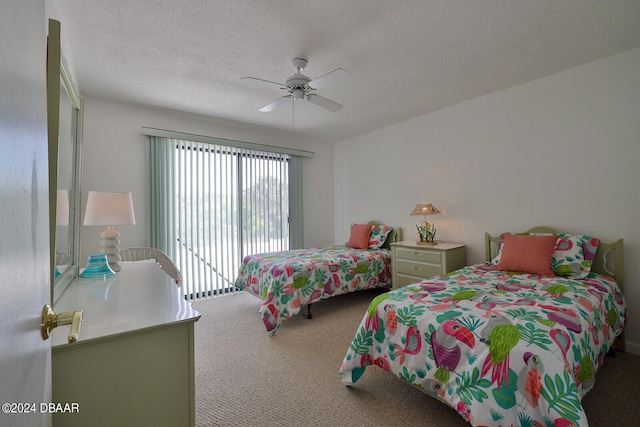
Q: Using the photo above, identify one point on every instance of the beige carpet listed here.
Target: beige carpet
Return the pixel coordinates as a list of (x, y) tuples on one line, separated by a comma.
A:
[(246, 378)]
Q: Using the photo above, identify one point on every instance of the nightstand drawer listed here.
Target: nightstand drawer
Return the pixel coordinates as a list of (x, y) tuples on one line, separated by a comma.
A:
[(419, 255), (403, 280), (417, 269)]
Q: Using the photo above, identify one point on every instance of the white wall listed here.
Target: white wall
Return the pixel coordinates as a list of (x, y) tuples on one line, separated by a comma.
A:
[(114, 160), (561, 151)]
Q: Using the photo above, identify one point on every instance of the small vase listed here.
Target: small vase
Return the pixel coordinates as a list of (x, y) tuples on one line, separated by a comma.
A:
[(97, 267)]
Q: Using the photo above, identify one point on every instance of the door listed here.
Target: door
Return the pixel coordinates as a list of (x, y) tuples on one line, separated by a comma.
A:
[(25, 358)]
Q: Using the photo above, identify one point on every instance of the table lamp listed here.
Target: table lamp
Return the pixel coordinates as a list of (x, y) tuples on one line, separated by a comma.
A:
[(426, 231), (110, 209)]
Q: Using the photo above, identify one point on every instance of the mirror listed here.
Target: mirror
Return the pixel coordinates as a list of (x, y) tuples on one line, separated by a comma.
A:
[(64, 117)]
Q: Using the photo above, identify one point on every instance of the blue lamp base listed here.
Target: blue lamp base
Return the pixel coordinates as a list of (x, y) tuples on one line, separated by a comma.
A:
[(97, 267)]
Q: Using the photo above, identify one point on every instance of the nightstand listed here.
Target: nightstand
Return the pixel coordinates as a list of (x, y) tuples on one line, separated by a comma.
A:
[(411, 263)]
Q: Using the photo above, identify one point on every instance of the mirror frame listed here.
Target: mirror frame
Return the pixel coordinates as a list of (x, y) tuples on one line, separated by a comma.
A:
[(60, 83)]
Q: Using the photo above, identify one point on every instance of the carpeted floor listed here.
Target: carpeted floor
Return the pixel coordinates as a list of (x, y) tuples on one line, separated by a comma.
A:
[(246, 378)]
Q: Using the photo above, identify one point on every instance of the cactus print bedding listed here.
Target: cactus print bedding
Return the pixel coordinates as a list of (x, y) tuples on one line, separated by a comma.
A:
[(503, 349)]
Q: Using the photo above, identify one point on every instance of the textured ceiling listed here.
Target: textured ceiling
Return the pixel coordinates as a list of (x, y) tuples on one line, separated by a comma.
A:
[(406, 58)]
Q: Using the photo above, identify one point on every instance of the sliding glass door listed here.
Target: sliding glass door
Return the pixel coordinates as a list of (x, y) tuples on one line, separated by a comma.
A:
[(222, 203)]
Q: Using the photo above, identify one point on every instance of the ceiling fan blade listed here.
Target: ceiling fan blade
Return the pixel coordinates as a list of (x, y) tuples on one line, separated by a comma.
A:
[(264, 83), (324, 102), (332, 78), (270, 107)]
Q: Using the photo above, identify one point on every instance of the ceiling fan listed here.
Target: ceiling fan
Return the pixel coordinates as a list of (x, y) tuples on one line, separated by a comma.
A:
[(301, 87)]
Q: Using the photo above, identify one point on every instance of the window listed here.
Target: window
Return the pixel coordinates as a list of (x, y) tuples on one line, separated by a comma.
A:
[(212, 204)]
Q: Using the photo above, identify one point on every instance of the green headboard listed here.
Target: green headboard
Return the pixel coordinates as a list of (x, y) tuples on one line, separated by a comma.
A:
[(609, 258)]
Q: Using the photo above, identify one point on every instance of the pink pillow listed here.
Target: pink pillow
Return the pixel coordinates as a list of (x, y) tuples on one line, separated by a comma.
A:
[(359, 238), (528, 254)]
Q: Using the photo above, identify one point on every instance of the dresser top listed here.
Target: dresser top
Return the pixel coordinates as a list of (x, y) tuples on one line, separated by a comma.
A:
[(139, 297), (441, 246)]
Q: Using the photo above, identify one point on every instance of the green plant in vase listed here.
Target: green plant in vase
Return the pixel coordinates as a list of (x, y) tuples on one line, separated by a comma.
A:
[(427, 232)]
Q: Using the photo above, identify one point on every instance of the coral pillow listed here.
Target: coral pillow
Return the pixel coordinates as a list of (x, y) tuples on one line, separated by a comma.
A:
[(359, 238), (528, 254)]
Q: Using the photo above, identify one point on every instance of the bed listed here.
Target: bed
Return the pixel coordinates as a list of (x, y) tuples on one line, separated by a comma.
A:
[(503, 346), (290, 280)]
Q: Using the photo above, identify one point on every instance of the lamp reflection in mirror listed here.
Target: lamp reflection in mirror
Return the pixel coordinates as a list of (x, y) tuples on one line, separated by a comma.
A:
[(62, 207), (110, 209), (62, 220), (426, 230)]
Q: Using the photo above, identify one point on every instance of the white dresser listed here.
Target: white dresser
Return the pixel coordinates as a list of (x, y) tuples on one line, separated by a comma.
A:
[(133, 362), (411, 262)]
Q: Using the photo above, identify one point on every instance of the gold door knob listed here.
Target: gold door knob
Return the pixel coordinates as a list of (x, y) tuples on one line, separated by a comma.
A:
[(51, 320)]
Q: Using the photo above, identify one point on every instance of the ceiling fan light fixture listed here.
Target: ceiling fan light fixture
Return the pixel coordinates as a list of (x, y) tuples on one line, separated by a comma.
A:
[(298, 94)]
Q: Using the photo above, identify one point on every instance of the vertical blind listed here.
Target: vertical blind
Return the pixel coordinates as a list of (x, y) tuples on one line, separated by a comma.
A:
[(210, 205)]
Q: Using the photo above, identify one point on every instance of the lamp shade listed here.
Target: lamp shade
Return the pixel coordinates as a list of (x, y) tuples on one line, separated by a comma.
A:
[(424, 209), (62, 207), (105, 208)]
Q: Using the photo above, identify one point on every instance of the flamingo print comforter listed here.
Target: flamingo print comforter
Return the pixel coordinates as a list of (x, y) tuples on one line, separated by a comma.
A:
[(501, 349), (287, 281)]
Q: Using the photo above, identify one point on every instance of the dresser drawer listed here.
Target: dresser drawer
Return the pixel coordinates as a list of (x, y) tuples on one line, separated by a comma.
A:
[(417, 269), (419, 255)]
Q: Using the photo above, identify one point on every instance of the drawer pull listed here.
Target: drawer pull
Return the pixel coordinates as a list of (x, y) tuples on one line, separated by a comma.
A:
[(417, 254), (413, 267)]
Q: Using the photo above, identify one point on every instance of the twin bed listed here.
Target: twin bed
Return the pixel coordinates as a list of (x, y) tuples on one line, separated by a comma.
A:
[(503, 348), (514, 341), (290, 280)]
